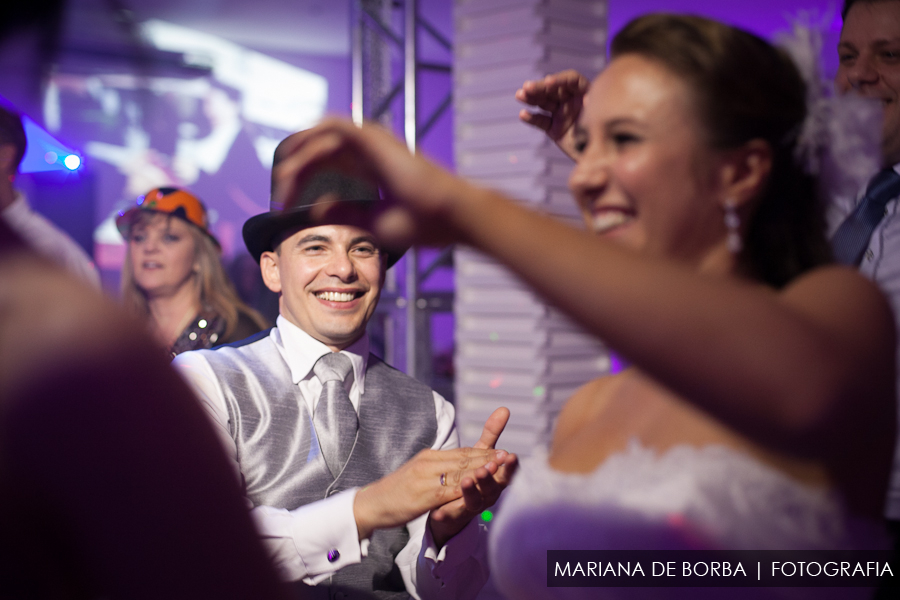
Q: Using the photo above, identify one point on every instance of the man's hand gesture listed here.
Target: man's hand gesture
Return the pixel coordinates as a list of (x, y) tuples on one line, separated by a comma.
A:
[(455, 484), (479, 491)]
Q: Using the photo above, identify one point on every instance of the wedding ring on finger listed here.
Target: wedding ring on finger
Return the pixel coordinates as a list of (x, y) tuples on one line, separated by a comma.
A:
[(443, 479)]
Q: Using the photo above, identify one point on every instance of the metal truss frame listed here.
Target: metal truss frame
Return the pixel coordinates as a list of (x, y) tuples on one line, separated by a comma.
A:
[(374, 93)]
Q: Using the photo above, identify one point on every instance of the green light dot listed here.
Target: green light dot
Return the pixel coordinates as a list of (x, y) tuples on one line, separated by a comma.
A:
[(538, 391), (486, 516), (494, 337)]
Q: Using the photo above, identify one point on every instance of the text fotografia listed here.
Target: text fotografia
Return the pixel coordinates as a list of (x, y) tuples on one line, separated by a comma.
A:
[(703, 568), (724, 569)]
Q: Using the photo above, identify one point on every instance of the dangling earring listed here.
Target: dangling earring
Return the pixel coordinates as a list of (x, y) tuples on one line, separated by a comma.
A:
[(733, 225)]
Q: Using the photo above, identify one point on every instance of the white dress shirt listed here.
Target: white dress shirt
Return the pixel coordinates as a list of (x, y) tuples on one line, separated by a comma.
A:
[(881, 264), (300, 539), (49, 240)]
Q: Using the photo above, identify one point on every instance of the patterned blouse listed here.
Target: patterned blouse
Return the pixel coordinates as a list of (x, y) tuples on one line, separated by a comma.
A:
[(208, 330)]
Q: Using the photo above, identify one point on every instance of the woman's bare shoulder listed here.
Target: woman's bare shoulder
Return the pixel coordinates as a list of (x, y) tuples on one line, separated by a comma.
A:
[(585, 403), (834, 283), (847, 302)]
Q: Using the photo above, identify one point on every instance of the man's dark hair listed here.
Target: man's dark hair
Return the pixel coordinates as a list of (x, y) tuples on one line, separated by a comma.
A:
[(12, 132), (849, 3)]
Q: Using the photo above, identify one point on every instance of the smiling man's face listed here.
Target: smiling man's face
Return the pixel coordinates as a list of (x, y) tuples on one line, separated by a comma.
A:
[(869, 54), (329, 278)]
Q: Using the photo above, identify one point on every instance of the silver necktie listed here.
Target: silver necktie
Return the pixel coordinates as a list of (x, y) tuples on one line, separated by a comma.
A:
[(335, 418)]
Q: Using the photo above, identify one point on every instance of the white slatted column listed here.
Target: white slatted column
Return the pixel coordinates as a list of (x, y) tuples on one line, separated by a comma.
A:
[(512, 349)]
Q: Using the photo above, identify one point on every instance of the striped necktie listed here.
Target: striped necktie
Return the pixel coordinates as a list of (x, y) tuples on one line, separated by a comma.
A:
[(335, 418), (852, 237)]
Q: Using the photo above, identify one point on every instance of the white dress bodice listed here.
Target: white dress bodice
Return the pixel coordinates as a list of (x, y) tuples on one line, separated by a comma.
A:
[(688, 498)]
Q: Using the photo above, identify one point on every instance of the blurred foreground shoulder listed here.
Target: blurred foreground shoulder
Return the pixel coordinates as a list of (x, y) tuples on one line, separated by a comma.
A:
[(47, 315)]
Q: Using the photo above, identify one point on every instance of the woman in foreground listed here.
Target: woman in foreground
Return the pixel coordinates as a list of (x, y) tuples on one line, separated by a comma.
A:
[(758, 410), (173, 274)]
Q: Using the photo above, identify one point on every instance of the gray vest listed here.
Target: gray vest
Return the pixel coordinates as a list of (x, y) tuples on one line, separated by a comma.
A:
[(279, 454)]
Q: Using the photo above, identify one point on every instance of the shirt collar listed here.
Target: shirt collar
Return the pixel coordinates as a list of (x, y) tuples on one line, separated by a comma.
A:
[(301, 351)]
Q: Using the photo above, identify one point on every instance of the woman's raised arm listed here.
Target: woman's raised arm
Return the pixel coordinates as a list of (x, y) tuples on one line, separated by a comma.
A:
[(795, 369)]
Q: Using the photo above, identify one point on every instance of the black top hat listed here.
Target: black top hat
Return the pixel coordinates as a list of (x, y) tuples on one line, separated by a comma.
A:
[(262, 231)]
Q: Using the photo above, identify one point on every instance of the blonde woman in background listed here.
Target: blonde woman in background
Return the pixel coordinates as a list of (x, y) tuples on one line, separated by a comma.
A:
[(173, 274)]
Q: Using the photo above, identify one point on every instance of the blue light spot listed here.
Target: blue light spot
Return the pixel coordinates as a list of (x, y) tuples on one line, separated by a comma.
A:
[(44, 152), (72, 162)]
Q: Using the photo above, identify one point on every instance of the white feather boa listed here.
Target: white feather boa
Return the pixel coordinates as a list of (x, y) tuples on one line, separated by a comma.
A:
[(840, 140)]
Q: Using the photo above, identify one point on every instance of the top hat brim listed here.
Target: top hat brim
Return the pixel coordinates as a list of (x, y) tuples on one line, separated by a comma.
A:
[(261, 231)]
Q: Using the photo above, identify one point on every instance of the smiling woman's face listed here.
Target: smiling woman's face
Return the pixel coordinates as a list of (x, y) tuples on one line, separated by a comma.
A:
[(646, 178)]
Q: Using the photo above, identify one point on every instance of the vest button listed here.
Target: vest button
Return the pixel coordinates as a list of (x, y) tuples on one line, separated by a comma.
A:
[(333, 555), (869, 254)]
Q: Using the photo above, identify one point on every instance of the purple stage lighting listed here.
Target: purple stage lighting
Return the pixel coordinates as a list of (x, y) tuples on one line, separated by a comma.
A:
[(44, 152)]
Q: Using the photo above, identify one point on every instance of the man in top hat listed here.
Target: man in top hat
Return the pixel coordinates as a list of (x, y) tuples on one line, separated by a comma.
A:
[(353, 468)]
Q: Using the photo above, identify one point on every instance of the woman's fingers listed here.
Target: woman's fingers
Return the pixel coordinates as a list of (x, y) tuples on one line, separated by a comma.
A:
[(539, 120), (396, 227), (549, 92), (559, 98), (417, 193), (334, 144)]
